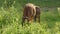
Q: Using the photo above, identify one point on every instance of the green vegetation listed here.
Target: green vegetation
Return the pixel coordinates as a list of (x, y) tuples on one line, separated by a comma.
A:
[(11, 16)]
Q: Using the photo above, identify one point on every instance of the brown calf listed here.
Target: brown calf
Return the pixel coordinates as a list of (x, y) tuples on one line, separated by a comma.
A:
[(29, 13)]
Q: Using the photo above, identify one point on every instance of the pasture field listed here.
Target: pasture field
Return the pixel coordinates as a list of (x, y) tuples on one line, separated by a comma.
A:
[(10, 23), (11, 17)]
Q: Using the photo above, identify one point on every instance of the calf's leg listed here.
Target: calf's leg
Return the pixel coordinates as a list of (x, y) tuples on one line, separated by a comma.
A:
[(23, 21)]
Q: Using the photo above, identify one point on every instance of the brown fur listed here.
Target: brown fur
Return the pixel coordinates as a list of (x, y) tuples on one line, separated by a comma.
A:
[(29, 12), (37, 14)]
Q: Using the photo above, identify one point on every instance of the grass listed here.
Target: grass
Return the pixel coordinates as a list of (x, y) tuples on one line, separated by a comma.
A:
[(10, 23), (11, 17)]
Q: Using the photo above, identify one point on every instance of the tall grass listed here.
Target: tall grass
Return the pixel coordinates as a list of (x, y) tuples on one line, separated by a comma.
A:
[(10, 23), (11, 17)]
